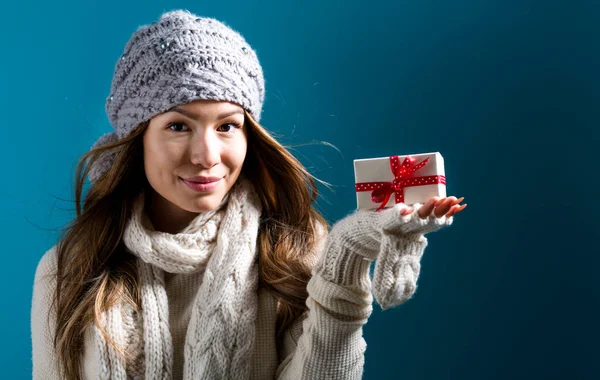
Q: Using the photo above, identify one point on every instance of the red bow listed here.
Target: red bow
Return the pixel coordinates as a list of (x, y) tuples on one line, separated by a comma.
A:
[(403, 177)]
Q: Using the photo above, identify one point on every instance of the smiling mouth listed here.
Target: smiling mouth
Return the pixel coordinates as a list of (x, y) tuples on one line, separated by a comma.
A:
[(202, 187), (202, 179)]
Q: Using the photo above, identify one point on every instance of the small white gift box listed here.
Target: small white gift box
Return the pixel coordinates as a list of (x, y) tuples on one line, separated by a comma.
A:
[(385, 181)]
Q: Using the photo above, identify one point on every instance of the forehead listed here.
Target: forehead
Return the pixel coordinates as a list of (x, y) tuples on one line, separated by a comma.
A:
[(207, 110), (209, 107)]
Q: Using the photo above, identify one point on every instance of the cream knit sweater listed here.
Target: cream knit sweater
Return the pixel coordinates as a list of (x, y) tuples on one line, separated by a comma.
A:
[(326, 342)]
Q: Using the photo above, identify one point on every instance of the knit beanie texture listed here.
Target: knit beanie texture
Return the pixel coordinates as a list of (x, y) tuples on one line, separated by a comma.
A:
[(178, 59)]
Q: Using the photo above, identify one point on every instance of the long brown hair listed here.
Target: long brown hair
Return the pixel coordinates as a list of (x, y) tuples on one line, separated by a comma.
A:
[(95, 271)]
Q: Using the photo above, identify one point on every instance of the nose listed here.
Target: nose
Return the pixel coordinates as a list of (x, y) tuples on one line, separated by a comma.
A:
[(205, 150)]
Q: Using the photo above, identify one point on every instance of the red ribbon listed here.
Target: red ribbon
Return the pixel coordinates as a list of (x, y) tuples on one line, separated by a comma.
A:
[(403, 177)]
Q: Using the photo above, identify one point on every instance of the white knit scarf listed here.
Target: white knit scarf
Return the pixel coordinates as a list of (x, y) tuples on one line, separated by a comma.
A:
[(220, 336)]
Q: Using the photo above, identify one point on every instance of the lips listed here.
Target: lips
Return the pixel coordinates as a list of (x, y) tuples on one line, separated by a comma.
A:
[(203, 187), (202, 179)]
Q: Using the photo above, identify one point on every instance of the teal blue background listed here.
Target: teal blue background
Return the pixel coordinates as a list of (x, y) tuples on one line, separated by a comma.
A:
[(507, 91)]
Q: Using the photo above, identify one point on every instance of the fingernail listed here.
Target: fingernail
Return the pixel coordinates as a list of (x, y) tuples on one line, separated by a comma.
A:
[(460, 199), (462, 207)]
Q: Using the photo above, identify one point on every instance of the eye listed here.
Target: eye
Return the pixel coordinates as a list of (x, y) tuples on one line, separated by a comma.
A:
[(176, 124), (230, 125)]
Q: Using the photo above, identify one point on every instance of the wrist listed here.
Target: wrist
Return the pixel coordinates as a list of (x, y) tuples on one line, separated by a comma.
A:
[(344, 264), (412, 226)]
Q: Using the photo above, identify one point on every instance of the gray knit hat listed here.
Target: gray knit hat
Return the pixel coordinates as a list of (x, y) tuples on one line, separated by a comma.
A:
[(178, 59)]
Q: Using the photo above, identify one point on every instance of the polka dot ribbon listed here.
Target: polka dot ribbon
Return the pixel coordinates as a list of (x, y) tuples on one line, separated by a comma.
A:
[(403, 177)]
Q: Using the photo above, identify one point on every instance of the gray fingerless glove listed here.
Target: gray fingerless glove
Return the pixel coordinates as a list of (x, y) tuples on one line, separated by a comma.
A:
[(398, 264), (355, 241), (412, 225)]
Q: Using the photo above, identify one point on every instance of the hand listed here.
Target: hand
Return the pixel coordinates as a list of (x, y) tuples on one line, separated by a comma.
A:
[(440, 206)]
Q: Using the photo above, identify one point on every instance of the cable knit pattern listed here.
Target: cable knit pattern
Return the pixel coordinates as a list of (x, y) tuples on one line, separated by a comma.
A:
[(134, 341), (395, 276), (340, 291), (324, 343), (220, 334), (184, 252), (367, 235)]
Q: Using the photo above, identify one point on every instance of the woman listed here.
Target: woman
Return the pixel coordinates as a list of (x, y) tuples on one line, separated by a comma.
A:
[(197, 254)]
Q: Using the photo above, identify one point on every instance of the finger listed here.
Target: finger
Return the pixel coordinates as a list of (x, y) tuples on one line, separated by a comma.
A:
[(427, 208), (454, 207), (406, 211), (444, 207), (455, 210), (451, 200), (452, 211)]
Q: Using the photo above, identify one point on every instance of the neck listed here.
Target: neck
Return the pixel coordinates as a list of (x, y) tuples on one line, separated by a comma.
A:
[(164, 216)]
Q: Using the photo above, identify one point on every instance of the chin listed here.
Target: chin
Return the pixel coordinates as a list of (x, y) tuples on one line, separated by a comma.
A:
[(206, 204)]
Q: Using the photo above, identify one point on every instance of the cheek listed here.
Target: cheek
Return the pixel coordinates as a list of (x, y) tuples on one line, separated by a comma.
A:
[(238, 154), (159, 156)]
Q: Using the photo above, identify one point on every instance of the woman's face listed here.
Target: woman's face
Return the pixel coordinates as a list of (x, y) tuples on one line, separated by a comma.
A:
[(203, 138)]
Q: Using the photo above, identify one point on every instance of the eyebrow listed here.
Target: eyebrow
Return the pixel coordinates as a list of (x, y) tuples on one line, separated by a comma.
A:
[(193, 116)]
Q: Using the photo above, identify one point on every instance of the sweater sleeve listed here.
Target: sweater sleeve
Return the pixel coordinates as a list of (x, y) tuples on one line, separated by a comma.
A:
[(42, 321), (330, 344)]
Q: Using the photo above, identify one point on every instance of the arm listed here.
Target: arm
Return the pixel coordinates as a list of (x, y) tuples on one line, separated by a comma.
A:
[(330, 344), (43, 354)]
